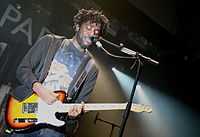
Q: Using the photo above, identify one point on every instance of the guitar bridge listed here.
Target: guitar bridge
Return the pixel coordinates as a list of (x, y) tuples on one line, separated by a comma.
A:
[(25, 120)]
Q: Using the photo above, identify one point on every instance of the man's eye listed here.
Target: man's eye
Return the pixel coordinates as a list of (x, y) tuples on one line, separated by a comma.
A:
[(96, 32), (89, 27)]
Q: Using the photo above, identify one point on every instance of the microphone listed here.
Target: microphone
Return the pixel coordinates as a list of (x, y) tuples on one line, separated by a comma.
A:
[(96, 41)]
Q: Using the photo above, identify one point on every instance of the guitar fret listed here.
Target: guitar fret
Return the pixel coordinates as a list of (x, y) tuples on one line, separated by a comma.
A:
[(93, 106)]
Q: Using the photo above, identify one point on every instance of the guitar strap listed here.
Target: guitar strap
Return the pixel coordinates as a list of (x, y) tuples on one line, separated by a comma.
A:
[(74, 90)]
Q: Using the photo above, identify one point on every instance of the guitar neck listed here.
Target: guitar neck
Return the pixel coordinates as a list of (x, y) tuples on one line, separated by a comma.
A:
[(94, 106)]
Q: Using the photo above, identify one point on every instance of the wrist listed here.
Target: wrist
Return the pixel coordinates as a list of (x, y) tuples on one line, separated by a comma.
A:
[(36, 86)]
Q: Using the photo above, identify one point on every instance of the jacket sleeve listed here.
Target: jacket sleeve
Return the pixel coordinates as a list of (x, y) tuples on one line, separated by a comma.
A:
[(88, 85), (24, 72)]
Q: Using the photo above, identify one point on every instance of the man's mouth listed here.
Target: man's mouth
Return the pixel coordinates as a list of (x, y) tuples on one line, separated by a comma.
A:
[(87, 40)]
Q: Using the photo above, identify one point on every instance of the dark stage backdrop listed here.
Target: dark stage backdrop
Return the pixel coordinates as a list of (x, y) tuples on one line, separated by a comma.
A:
[(22, 23)]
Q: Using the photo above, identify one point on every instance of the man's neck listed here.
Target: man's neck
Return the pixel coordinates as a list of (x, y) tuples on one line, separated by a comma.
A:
[(77, 45)]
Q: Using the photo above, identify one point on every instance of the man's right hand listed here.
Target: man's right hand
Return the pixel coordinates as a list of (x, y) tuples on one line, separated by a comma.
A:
[(45, 94)]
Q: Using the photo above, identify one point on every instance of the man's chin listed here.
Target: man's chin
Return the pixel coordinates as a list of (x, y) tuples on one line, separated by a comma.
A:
[(87, 43)]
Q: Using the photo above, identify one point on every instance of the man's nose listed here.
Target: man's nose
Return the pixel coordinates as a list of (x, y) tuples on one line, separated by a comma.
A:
[(95, 32)]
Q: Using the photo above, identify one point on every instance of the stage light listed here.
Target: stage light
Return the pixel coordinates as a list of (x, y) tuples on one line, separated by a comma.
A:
[(168, 115), (125, 81), (113, 69)]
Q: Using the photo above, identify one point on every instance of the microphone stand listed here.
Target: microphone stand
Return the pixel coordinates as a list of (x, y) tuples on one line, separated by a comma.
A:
[(128, 107), (139, 64)]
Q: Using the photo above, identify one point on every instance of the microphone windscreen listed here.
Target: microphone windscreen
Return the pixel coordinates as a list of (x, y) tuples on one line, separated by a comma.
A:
[(94, 39), (98, 43)]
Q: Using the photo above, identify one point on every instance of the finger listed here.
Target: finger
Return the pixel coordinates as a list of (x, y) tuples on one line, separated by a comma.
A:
[(50, 101), (74, 108), (82, 104), (73, 114), (83, 107), (55, 95), (77, 110), (71, 111)]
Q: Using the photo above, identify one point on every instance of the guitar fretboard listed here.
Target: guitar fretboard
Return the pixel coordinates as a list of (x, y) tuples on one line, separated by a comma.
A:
[(100, 106)]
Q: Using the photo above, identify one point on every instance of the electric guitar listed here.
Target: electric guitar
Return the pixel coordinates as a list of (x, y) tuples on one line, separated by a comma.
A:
[(34, 111)]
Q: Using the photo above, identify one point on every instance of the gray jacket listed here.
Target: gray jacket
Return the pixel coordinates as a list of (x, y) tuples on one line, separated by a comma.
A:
[(36, 63)]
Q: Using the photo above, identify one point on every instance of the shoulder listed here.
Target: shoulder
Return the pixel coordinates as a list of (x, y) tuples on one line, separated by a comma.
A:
[(58, 36), (93, 64), (53, 36)]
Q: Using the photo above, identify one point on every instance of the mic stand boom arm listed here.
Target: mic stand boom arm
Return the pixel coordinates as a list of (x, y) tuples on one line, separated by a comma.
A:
[(133, 53), (126, 50)]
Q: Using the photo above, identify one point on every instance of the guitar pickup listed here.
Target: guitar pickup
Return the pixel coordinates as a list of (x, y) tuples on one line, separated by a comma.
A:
[(30, 107)]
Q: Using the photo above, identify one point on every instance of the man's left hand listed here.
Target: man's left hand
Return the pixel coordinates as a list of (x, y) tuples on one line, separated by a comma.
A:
[(76, 110)]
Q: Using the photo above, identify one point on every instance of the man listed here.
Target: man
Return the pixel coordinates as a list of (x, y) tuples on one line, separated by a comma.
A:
[(56, 63)]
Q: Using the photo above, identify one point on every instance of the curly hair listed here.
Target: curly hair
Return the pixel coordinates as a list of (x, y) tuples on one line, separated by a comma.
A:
[(95, 16)]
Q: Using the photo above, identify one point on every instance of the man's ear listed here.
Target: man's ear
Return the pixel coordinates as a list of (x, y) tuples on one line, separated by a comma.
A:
[(77, 28)]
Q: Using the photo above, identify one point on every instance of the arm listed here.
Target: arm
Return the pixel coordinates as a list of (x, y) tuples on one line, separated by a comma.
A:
[(25, 71), (84, 92), (87, 87)]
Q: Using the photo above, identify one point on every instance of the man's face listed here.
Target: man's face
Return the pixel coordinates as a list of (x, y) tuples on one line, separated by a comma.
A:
[(86, 32)]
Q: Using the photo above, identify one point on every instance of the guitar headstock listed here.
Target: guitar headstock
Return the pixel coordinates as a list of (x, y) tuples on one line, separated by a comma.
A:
[(141, 108)]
